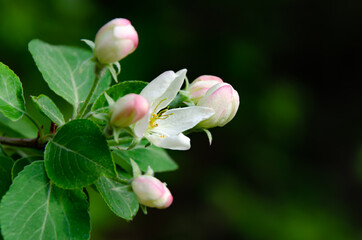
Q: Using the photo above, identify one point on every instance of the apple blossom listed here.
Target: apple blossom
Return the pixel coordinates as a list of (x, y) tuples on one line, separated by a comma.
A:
[(151, 192), (128, 110), (164, 127), (115, 40), (200, 85), (224, 100)]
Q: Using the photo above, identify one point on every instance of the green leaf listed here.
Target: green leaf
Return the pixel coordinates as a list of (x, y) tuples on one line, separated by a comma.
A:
[(35, 208), (155, 157), (2, 151), (11, 94), (6, 164), (117, 91), (21, 128), (21, 163), (68, 71), (118, 196), (49, 109), (78, 155)]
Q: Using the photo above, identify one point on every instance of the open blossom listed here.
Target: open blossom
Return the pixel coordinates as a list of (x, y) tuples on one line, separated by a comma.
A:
[(224, 100), (201, 85), (163, 127), (115, 40), (128, 110), (151, 192)]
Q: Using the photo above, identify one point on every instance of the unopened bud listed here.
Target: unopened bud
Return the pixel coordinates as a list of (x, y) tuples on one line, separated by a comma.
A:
[(128, 110), (151, 192), (224, 100), (115, 40), (201, 85)]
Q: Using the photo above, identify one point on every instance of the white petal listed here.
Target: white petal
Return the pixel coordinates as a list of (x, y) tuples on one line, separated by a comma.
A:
[(163, 89), (235, 106), (158, 86), (165, 86), (171, 91), (181, 119), (174, 142), (141, 126)]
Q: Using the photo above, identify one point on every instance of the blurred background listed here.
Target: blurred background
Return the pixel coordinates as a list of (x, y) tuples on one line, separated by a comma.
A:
[(289, 166)]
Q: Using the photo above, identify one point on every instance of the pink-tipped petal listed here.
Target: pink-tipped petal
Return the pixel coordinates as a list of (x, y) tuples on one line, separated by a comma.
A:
[(224, 100), (151, 192), (168, 201), (201, 85), (209, 78), (115, 40), (128, 110)]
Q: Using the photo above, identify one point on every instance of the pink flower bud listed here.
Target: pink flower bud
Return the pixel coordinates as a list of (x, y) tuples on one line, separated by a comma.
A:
[(128, 110), (200, 85), (224, 100), (115, 40), (151, 192)]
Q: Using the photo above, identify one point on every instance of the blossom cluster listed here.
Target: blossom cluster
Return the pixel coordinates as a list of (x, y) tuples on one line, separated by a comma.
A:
[(209, 102)]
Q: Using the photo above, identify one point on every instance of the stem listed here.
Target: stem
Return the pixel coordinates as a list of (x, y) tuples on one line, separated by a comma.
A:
[(98, 69), (120, 180), (120, 141), (23, 142)]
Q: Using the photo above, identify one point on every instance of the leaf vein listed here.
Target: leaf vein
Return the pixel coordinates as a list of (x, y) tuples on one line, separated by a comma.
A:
[(81, 155)]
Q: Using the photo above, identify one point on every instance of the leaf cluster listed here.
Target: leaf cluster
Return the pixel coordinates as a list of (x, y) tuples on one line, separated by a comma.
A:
[(44, 180)]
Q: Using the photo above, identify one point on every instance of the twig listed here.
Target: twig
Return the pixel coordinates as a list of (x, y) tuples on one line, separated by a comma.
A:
[(23, 142)]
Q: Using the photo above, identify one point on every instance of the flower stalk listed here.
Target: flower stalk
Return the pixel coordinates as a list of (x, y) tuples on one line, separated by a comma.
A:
[(98, 72)]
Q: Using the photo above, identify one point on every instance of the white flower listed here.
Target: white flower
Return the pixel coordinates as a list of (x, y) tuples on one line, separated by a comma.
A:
[(163, 127)]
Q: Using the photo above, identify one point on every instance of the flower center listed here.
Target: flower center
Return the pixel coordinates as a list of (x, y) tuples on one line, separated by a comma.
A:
[(160, 115)]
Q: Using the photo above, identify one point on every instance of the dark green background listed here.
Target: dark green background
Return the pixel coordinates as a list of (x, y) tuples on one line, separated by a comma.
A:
[(289, 166)]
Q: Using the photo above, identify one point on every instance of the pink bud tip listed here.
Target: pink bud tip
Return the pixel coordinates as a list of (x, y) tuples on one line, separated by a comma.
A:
[(151, 192), (115, 40), (224, 100), (128, 110), (201, 85), (209, 78)]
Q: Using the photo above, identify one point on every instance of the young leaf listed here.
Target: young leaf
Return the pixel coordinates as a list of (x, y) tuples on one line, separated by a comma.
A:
[(67, 70), (118, 196), (78, 155), (11, 94), (117, 91), (49, 109), (21, 163), (6, 164), (35, 208), (21, 128), (155, 157)]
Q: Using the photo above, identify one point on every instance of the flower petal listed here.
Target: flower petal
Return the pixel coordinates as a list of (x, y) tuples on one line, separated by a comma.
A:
[(235, 106), (160, 85), (165, 99), (219, 98), (174, 142), (141, 126), (165, 86), (181, 119)]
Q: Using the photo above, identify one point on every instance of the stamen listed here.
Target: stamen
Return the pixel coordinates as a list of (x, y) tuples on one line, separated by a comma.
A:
[(160, 115), (158, 105), (161, 135)]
